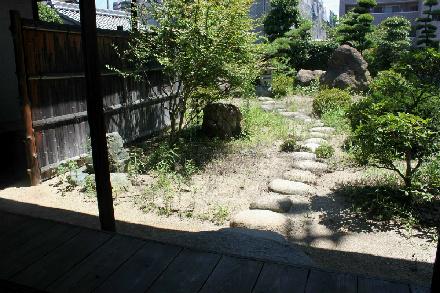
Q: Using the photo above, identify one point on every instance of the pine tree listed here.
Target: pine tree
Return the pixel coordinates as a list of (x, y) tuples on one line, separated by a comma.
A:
[(425, 26), (284, 15), (355, 26)]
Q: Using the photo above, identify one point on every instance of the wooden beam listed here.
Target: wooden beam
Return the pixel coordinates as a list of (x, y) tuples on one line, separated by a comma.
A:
[(95, 111), (435, 285), (31, 149)]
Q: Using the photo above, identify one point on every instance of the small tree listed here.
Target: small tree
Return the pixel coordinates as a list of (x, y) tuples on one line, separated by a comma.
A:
[(356, 25), (48, 14), (206, 50), (391, 42), (427, 29), (284, 15)]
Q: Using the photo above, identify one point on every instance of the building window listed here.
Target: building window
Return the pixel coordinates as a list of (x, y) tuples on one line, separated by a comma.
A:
[(395, 8), (378, 9)]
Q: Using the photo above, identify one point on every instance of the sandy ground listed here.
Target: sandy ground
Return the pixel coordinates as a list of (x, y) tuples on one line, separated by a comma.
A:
[(322, 226)]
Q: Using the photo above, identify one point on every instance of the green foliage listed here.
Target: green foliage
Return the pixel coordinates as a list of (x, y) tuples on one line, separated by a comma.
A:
[(199, 45), (425, 26), (290, 145), (284, 15), (324, 151), (220, 215), (391, 42), (337, 118), (48, 14), (331, 99), (355, 26), (282, 85), (311, 90), (427, 178)]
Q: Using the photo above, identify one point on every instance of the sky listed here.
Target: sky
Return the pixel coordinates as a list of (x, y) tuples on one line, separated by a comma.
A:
[(329, 4)]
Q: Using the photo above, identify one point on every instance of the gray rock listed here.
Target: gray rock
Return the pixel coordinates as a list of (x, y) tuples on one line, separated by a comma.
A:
[(262, 220), (290, 187), (312, 166), (303, 156), (315, 140), (301, 176), (311, 146), (318, 135), (119, 181), (287, 114), (347, 69), (221, 120), (274, 204), (77, 177), (305, 77), (264, 99), (118, 155), (325, 130), (318, 124)]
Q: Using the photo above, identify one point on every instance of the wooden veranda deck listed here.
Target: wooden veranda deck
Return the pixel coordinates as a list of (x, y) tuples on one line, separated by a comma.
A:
[(45, 256)]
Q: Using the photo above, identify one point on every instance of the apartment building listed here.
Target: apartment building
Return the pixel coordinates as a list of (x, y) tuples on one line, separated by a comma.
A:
[(410, 9)]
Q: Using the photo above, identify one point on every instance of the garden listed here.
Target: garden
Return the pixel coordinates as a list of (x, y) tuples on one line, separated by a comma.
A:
[(339, 157)]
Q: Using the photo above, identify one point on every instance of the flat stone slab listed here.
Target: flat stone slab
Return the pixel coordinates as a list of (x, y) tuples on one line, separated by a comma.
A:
[(290, 187), (269, 102), (303, 156), (287, 114), (265, 99), (311, 146), (318, 124), (274, 204), (318, 135), (301, 176), (315, 167), (263, 220), (317, 140), (327, 130)]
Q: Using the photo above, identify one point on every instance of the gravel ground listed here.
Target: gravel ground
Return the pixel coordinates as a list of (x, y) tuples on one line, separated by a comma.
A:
[(322, 225)]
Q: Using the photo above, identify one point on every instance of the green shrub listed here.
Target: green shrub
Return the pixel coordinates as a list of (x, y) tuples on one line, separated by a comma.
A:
[(331, 99), (337, 119), (324, 151), (48, 14), (282, 85), (290, 145), (428, 176)]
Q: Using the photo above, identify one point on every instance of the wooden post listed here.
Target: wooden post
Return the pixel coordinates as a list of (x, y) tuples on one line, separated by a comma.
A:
[(35, 14), (95, 112), (435, 285), (134, 15), (20, 63)]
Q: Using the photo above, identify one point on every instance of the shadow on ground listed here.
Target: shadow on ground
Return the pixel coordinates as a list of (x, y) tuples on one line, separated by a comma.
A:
[(231, 242)]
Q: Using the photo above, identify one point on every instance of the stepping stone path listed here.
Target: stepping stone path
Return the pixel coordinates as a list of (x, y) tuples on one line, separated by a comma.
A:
[(274, 204), (301, 176), (297, 156), (265, 99), (267, 214), (283, 186)]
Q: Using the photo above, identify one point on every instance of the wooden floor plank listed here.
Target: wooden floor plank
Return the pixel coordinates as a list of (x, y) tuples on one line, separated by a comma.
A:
[(91, 272), (138, 273), (54, 265), (325, 282), (9, 223), (367, 285), (187, 273), (21, 257), (233, 275), (419, 289), (275, 278)]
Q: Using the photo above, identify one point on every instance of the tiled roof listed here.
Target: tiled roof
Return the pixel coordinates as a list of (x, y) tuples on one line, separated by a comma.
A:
[(105, 19)]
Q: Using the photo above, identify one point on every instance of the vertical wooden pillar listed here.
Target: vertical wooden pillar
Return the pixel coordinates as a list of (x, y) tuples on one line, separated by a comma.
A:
[(95, 112), (134, 15), (435, 285), (31, 149), (35, 14)]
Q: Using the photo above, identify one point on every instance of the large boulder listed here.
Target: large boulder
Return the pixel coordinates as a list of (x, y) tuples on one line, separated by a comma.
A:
[(347, 69), (305, 77), (221, 120)]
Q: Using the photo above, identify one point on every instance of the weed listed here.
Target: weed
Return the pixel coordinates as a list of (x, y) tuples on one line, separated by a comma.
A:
[(220, 215), (310, 90), (324, 151), (337, 119)]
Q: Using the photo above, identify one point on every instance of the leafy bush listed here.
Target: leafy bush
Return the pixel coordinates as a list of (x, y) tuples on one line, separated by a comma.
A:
[(337, 119), (428, 177), (331, 99), (290, 145), (282, 85), (48, 14), (324, 151)]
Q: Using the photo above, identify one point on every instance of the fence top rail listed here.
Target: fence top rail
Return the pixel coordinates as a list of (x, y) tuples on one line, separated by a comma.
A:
[(68, 28)]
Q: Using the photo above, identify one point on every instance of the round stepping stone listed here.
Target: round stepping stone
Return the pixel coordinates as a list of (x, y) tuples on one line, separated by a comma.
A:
[(327, 130), (311, 166), (317, 140), (290, 187), (301, 176), (265, 99), (318, 124), (267, 108), (263, 220), (274, 204), (318, 135), (303, 156), (311, 146), (269, 102), (287, 114)]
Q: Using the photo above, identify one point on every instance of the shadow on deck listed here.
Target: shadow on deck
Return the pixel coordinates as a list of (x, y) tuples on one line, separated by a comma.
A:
[(47, 256)]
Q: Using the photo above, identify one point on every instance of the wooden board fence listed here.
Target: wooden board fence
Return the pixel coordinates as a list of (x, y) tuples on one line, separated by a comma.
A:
[(54, 80)]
